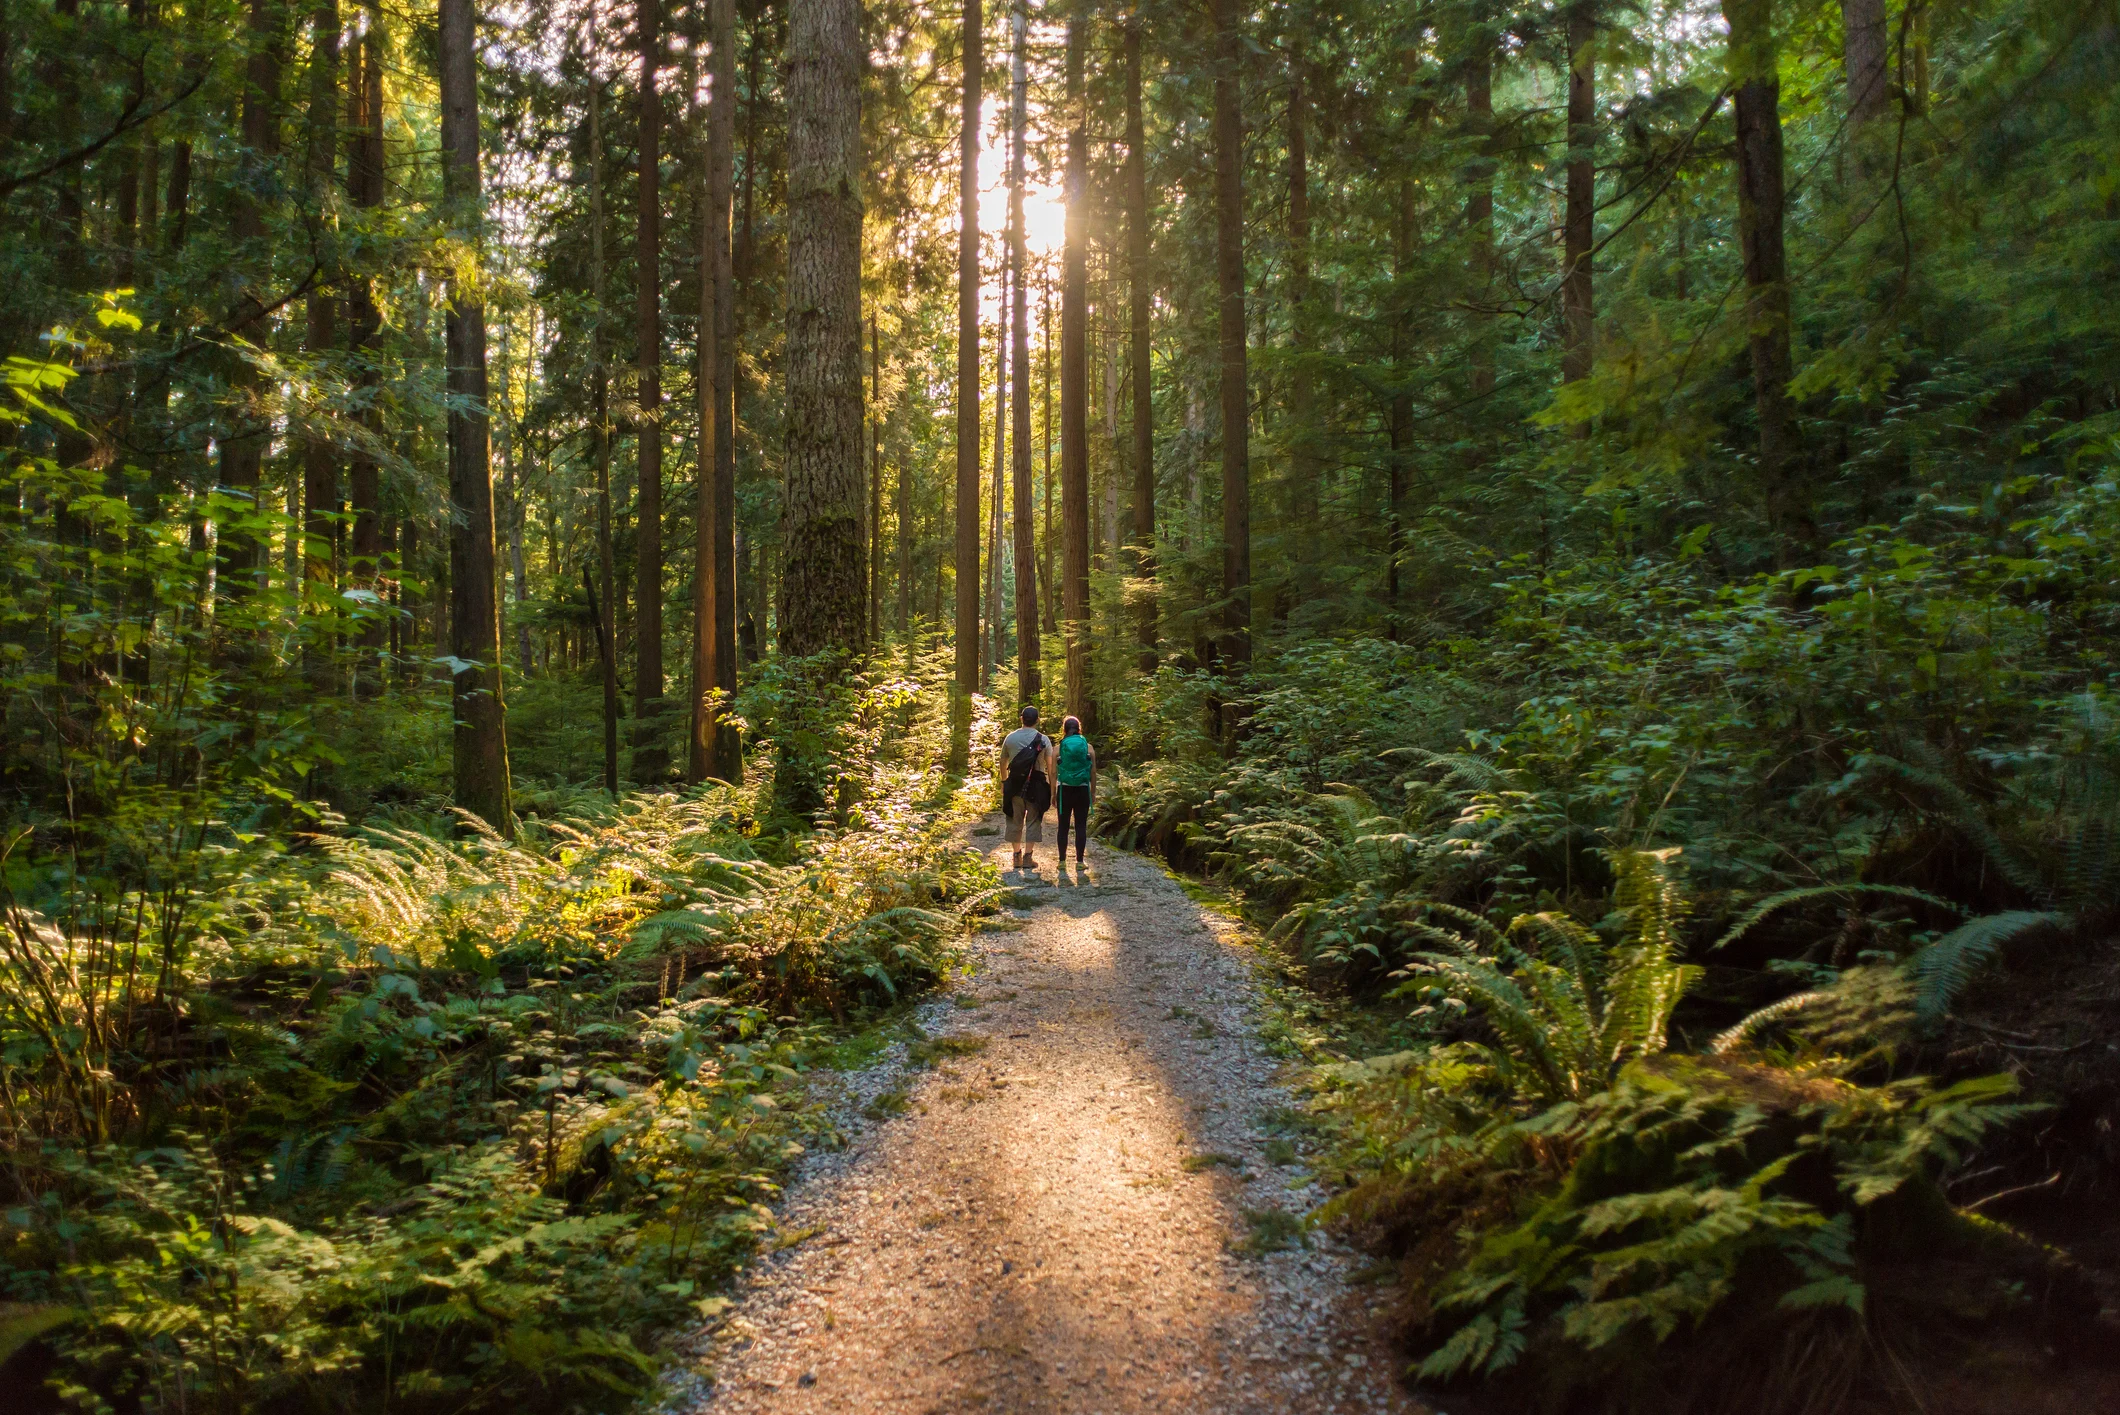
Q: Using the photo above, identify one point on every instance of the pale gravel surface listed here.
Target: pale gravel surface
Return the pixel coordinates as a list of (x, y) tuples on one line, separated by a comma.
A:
[(1027, 1236)]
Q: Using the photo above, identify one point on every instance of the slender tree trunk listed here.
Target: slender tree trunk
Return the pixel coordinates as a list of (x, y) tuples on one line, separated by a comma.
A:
[(651, 759), (1304, 471), (320, 472), (1074, 386), (242, 444), (1236, 395), (1578, 313), (1049, 592), (1401, 408), (365, 174), (715, 749), (1865, 50), (996, 618), (875, 482), (904, 492), (1026, 556), (481, 746), (1760, 207), (1479, 209), (600, 428), (967, 639), (1139, 300), (821, 601)]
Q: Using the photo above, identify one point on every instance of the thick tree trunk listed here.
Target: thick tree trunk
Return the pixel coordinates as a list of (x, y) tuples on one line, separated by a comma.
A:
[(1139, 355), (651, 758), (481, 745), (1579, 225), (1026, 556), (967, 637), (1048, 592), (1229, 279), (821, 603), (1074, 387), (1760, 209)]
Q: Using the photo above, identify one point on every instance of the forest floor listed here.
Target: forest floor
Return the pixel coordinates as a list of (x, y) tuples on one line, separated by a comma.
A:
[(1089, 1200)]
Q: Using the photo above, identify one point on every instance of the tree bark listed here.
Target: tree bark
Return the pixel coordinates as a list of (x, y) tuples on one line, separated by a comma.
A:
[(1049, 592), (1479, 207), (821, 603), (600, 423), (995, 625), (717, 751), (365, 174), (320, 471), (1865, 50), (1026, 556), (1074, 386), (242, 441), (1235, 648), (1578, 226), (1139, 353), (967, 637), (651, 758), (875, 482), (481, 741), (1760, 210)]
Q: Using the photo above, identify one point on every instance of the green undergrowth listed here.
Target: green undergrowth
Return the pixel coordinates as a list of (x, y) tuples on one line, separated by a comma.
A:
[(422, 1119), (1650, 1128)]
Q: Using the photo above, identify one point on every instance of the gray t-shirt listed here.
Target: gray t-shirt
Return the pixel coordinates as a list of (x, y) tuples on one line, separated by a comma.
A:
[(1016, 741)]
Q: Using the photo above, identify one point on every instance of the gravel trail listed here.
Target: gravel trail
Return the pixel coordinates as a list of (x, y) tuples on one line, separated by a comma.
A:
[(1079, 1208)]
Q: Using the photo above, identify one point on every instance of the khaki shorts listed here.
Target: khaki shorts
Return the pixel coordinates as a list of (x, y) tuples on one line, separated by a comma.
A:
[(1026, 823)]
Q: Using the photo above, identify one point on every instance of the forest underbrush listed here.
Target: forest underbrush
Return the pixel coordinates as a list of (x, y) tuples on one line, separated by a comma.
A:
[(401, 1114), (1811, 1112)]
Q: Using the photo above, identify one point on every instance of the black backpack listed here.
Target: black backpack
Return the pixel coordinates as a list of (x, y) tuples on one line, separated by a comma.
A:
[(1023, 771)]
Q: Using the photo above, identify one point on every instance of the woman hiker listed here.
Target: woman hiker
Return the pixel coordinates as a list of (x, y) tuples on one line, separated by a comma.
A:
[(1026, 789), (1076, 772)]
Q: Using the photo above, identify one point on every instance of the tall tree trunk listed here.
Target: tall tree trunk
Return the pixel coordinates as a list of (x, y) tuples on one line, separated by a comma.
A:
[(967, 637), (1026, 556), (875, 482), (904, 496), (1303, 464), (1401, 408), (365, 175), (651, 758), (1074, 386), (1760, 207), (821, 601), (1479, 209), (1865, 50), (1579, 225), (600, 428), (320, 472), (1229, 280), (717, 750), (481, 745), (1048, 591), (1139, 299), (242, 444), (996, 625)]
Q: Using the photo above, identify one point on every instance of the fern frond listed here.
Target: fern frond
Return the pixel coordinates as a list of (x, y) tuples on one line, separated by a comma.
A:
[(1735, 1037), (1789, 898), (1946, 967)]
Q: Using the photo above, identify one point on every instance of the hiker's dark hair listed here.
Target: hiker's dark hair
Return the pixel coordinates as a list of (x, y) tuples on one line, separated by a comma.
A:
[(1030, 715), (1070, 727)]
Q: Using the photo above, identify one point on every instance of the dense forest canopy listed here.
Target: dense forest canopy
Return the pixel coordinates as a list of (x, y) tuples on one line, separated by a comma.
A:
[(1593, 519)]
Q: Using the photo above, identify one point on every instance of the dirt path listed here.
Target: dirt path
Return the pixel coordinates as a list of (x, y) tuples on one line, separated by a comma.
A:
[(1068, 1215)]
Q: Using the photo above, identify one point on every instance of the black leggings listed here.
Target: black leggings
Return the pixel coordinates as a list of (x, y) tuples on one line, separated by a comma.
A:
[(1074, 806)]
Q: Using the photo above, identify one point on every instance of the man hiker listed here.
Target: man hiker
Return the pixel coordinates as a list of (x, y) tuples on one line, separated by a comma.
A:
[(1026, 789), (1076, 772)]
